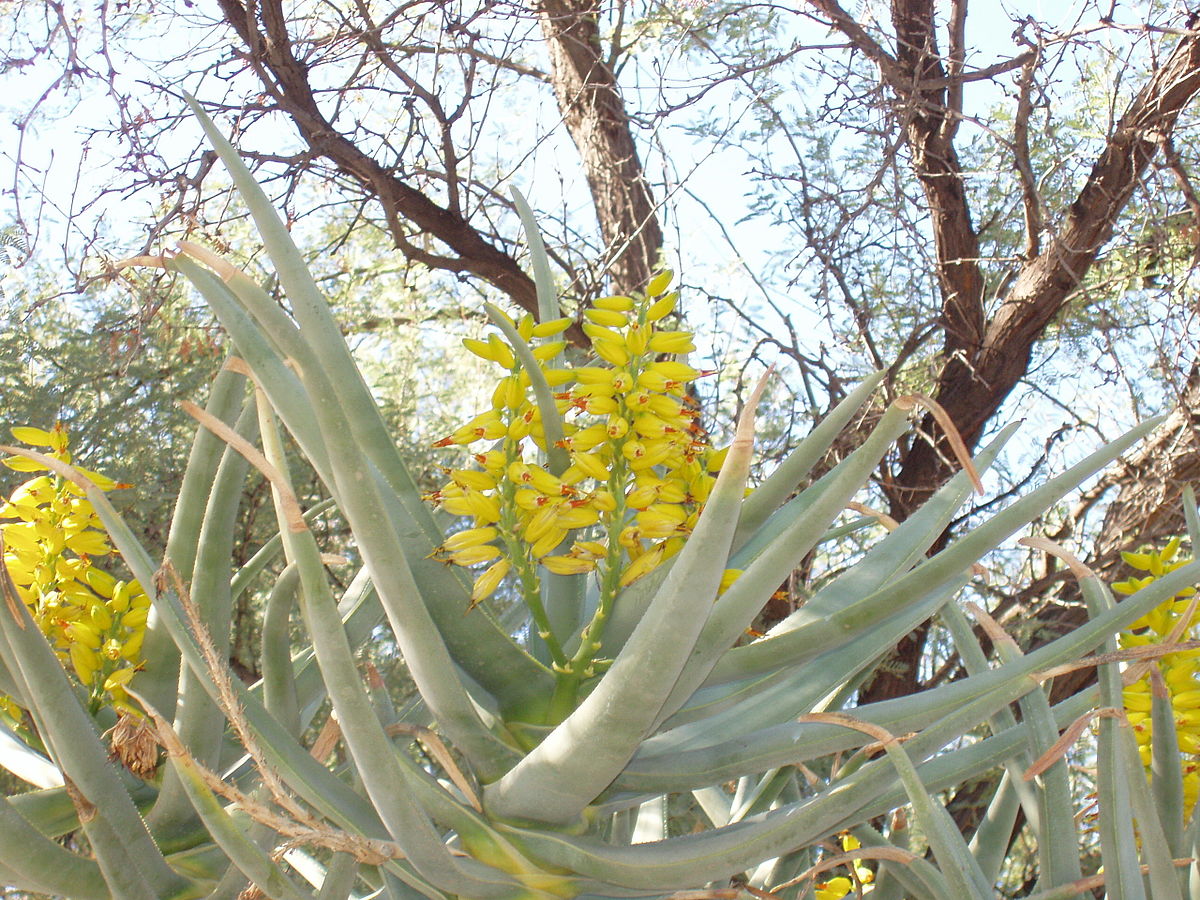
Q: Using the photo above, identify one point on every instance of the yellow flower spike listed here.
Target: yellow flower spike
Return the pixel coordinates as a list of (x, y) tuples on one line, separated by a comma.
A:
[(487, 583), (56, 439), (659, 283), (616, 303)]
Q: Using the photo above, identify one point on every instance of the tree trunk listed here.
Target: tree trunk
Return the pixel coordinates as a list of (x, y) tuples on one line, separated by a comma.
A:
[(596, 118)]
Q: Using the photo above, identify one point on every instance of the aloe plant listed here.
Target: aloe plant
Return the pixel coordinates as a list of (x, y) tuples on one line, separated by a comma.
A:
[(559, 764)]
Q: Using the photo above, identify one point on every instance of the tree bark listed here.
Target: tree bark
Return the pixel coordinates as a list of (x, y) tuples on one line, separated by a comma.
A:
[(984, 359), (269, 49), (596, 118)]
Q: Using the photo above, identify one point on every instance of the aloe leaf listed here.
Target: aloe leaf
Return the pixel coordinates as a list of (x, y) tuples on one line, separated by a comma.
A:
[(37, 863), (159, 684), (132, 864), (1161, 876), (293, 763), (989, 843), (918, 876), (384, 773), (963, 875), (810, 630), (1191, 516), (278, 677), (1058, 849), (543, 280), (428, 662), (1166, 766), (552, 419), (26, 763), (287, 392), (251, 859), (491, 656), (558, 779), (769, 495), (736, 608), (198, 720)]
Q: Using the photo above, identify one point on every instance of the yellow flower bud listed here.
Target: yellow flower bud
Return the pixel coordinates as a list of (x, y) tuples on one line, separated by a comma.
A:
[(551, 328), (473, 556), (662, 307), (82, 633), (607, 317), (616, 303), (643, 565), (672, 342), (84, 662), (659, 283), (547, 352), (486, 584), (592, 465), (568, 565), (470, 537)]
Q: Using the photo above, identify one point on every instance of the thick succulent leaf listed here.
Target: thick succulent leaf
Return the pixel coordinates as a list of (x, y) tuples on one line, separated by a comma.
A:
[(813, 628), (779, 485), (36, 863), (117, 832), (736, 608), (159, 684), (198, 720), (28, 764), (390, 778), (543, 279), (490, 656), (250, 859)]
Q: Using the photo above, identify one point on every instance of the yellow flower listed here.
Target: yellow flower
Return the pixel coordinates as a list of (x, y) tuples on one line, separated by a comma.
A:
[(94, 622), (1179, 670)]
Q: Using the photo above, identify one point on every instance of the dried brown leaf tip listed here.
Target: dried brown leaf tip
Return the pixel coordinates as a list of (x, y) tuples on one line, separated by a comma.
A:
[(134, 745)]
